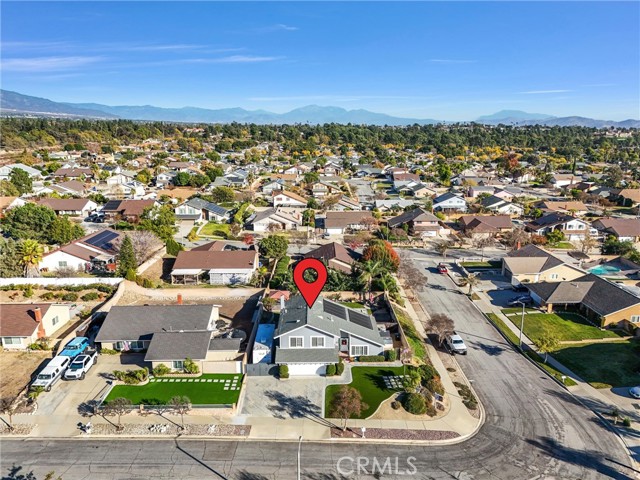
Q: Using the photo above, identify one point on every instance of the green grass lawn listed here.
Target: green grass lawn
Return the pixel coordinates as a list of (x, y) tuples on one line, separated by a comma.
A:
[(511, 336), (508, 311), (603, 365), (566, 326), (489, 264), (215, 230), (369, 382), (161, 389), (563, 245)]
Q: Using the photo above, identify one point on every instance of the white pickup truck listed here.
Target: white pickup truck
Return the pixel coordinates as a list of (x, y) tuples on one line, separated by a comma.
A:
[(81, 365), (455, 344), (51, 373)]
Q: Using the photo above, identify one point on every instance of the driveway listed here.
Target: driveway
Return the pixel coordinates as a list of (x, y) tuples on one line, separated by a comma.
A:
[(70, 397), (499, 298), (291, 398)]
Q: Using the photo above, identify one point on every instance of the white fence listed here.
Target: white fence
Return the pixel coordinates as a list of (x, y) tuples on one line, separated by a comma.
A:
[(59, 281)]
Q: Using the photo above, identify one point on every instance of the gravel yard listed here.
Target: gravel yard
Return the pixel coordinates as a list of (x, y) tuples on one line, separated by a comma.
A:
[(171, 429), (394, 434)]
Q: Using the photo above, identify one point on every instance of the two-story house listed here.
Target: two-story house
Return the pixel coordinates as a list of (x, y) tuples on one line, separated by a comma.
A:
[(573, 228), (448, 202), (200, 210), (420, 222), (284, 198)]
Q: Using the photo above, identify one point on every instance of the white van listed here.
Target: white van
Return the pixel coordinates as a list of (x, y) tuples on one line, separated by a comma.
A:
[(52, 372)]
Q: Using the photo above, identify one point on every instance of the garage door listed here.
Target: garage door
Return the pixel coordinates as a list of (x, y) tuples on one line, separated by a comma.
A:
[(307, 369)]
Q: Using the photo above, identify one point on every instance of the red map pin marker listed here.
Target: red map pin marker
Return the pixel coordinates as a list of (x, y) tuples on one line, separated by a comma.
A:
[(310, 290)]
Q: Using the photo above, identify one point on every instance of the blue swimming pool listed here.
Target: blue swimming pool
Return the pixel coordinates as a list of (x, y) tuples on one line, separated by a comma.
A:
[(604, 270)]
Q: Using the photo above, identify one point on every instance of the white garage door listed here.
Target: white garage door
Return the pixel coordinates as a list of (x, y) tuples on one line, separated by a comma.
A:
[(307, 369)]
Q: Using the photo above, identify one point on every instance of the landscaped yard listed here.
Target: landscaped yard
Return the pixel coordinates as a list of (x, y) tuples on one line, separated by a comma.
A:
[(207, 389), (565, 326), (476, 265), (369, 382), (563, 245), (603, 365), (215, 230), (416, 342)]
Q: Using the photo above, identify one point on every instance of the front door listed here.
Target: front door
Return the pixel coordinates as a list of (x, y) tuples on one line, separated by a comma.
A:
[(344, 345)]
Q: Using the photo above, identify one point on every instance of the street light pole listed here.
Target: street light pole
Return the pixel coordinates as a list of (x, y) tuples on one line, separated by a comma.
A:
[(299, 447), (521, 325)]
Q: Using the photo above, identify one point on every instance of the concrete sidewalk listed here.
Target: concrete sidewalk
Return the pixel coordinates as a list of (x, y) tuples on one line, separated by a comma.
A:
[(591, 397)]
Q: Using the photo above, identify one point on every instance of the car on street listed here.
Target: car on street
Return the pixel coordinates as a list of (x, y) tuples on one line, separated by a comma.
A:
[(526, 299), (75, 347), (81, 365), (455, 344), (51, 373), (442, 268), (635, 392)]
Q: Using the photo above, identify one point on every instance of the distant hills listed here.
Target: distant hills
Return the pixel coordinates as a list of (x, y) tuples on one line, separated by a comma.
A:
[(17, 104)]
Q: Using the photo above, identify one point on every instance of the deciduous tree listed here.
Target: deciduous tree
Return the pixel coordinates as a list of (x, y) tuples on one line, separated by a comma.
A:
[(347, 403)]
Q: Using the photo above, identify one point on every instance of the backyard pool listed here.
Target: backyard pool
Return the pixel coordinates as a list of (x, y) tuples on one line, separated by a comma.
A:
[(604, 270)]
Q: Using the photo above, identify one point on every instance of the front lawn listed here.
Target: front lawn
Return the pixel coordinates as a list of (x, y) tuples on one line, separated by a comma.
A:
[(207, 389), (369, 382), (215, 230), (477, 265), (565, 326), (603, 365), (563, 245)]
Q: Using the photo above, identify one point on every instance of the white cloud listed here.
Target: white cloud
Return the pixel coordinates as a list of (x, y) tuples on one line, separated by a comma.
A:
[(543, 92), (46, 64)]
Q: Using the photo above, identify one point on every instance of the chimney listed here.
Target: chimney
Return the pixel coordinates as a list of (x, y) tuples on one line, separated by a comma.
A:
[(179, 301), (518, 245), (38, 314)]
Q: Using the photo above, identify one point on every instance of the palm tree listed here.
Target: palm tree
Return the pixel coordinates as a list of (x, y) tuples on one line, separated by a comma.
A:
[(30, 255), (472, 280), (368, 271)]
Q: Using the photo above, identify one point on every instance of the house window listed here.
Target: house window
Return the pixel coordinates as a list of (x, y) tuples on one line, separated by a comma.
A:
[(317, 342), (635, 318), (137, 345), (357, 350), (55, 320), (177, 365), (295, 342), (62, 263), (12, 340), (118, 346), (553, 276)]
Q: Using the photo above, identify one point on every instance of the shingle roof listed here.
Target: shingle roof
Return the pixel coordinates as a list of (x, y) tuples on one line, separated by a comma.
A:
[(333, 250), (141, 322), (239, 259), (485, 223), (65, 204), (19, 320), (417, 214), (292, 195), (344, 219), (306, 355), (531, 252), (225, 344), (621, 227), (199, 203), (178, 345)]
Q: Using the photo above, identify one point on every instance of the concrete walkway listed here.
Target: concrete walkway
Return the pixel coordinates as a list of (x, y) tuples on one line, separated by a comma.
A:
[(595, 399)]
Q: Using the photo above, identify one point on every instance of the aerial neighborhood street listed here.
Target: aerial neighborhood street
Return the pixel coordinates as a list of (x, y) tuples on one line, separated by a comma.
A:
[(338, 263)]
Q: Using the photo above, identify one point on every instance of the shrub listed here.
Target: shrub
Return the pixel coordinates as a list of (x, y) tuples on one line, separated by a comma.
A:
[(47, 296), (415, 404), (190, 366), (104, 288), (70, 297), (34, 392), (430, 409), (132, 377), (331, 370), (435, 386), (339, 367), (41, 344), (392, 355), (161, 370), (396, 405), (371, 358), (131, 275), (427, 372), (626, 422), (108, 351), (84, 314), (283, 371), (28, 291), (147, 283), (87, 297)]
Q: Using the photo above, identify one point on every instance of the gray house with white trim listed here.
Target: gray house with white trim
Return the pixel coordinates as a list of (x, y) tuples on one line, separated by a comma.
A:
[(309, 339)]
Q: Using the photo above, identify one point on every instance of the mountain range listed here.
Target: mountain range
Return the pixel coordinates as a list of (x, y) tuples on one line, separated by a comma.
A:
[(17, 104)]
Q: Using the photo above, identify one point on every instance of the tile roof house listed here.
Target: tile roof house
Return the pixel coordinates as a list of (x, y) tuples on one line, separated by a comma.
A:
[(573, 228), (531, 264), (22, 324), (337, 223), (485, 224), (172, 333), (223, 267), (70, 206), (95, 252), (603, 302), (334, 255), (420, 222), (309, 339), (624, 229)]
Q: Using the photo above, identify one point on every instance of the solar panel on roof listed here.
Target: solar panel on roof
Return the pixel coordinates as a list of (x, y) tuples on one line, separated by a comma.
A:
[(335, 309), (112, 205), (102, 240), (359, 319)]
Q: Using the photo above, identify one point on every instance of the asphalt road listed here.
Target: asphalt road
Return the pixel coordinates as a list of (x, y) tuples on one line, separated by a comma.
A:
[(534, 430)]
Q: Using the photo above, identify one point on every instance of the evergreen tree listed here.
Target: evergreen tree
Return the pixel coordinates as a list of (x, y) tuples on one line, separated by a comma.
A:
[(126, 257)]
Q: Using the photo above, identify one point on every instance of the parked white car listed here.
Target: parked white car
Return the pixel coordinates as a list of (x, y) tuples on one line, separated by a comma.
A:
[(81, 365), (455, 344), (52, 372)]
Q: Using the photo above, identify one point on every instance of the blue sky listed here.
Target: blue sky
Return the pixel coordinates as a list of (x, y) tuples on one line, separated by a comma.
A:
[(450, 61)]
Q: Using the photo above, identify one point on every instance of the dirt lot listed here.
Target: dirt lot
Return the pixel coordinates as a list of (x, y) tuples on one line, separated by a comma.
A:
[(17, 369), (160, 269)]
